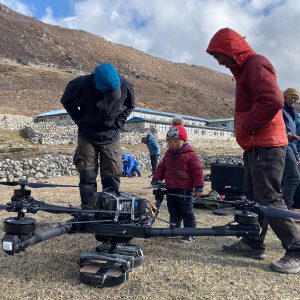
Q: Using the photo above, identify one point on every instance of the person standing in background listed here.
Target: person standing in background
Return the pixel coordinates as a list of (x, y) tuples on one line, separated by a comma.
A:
[(291, 176), (154, 150)]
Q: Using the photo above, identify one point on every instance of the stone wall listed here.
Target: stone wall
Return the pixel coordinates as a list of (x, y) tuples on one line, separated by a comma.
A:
[(14, 122), (62, 165)]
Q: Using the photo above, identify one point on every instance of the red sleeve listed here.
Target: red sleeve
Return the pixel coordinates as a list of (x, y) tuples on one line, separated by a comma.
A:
[(267, 96), (196, 170)]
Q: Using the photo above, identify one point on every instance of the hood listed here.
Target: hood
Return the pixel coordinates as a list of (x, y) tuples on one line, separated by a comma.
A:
[(231, 44), (124, 157)]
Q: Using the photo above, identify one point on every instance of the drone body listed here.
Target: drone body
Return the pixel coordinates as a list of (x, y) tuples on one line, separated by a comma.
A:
[(116, 220)]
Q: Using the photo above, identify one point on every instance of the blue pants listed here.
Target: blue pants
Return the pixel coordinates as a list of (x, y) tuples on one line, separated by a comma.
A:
[(291, 179), (136, 169)]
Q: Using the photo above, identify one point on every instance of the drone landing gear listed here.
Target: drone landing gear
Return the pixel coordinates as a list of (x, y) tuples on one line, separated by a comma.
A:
[(110, 264)]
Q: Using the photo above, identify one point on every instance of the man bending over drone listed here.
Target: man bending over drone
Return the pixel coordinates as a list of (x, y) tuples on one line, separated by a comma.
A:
[(99, 103)]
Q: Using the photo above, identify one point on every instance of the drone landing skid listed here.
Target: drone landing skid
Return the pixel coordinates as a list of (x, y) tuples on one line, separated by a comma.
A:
[(109, 266)]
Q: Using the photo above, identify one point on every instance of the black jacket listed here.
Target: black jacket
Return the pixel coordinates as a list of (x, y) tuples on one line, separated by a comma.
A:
[(98, 119)]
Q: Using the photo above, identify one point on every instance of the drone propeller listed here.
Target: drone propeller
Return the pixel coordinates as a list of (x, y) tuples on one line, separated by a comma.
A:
[(274, 212), (35, 184), (153, 187), (3, 207), (268, 211)]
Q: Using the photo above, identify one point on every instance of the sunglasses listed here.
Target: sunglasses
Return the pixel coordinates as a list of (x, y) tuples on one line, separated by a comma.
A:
[(296, 98)]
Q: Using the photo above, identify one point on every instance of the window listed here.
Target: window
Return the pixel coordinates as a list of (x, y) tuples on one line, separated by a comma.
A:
[(224, 125), (162, 127)]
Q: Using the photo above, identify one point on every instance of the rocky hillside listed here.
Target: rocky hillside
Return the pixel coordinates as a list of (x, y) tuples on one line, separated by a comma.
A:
[(37, 60)]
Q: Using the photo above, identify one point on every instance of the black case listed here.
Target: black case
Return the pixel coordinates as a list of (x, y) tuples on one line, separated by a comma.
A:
[(227, 179)]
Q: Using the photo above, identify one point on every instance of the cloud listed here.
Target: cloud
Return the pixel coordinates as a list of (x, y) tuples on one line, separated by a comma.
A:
[(180, 30), (19, 6)]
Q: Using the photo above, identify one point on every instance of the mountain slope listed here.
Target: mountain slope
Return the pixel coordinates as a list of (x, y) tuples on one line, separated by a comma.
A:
[(50, 56)]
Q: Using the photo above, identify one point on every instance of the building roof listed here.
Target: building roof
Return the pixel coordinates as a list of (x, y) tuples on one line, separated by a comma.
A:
[(168, 114), (220, 120), (140, 120), (137, 109), (52, 113)]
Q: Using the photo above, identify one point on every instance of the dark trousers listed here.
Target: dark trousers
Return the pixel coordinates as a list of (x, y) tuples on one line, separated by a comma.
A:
[(290, 179), (180, 208), (263, 175), (88, 158), (154, 162)]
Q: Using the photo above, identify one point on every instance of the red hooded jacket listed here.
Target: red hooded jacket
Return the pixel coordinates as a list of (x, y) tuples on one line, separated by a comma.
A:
[(181, 169), (259, 100)]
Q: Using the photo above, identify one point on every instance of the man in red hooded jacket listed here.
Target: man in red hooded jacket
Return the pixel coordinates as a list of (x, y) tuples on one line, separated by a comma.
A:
[(260, 131)]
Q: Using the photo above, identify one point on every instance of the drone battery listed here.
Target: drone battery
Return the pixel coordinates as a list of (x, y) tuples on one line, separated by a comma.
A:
[(100, 269), (126, 251), (124, 203), (101, 274)]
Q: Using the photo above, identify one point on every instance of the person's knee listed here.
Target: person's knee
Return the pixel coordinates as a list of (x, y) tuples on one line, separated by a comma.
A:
[(88, 176)]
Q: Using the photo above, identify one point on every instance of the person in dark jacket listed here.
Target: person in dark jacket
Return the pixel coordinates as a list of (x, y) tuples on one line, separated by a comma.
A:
[(99, 103), (181, 168), (130, 166), (297, 122), (154, 150), (291, 176), (260, 131)]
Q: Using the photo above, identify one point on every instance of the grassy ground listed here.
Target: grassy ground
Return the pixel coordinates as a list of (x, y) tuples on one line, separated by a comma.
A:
[(171, 270)]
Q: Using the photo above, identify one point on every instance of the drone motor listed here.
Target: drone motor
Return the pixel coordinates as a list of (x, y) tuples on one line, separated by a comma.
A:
[(246, 218), (16, 229), (19, 225)]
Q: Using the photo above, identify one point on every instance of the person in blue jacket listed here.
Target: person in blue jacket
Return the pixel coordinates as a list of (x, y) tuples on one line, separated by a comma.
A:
[(154, 150), (291, 176), (130, 166)]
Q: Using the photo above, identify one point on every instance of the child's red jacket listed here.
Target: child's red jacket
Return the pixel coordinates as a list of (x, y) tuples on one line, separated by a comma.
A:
[(181, 169)]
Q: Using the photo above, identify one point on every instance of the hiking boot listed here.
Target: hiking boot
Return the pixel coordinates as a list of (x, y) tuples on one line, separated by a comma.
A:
[(287, 264), (241, 248), (188, 239)]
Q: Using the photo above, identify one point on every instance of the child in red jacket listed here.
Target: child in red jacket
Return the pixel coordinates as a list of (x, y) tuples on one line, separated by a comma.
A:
[(181, 168)]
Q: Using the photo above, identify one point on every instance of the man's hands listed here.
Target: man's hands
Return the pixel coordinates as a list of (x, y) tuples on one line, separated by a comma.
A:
[(156, 183), (198, 191), (198, 194), (292, 137)]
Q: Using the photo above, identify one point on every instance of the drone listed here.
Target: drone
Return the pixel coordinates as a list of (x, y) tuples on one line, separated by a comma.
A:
[(117, 218)]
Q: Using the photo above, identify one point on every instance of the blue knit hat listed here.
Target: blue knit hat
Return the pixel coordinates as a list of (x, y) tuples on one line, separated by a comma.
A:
[(107, 80)]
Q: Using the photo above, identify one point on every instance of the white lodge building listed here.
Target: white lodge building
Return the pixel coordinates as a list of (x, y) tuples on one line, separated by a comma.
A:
[(143, 119)]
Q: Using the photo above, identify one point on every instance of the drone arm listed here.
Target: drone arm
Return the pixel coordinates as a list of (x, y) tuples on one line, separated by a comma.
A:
[(12, 244), (147, 232), (214, 231)]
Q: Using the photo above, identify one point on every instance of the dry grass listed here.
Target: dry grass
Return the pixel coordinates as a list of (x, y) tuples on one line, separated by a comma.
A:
[(171, 270)]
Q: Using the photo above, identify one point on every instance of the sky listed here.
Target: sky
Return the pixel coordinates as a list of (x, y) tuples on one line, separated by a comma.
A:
[(180, 30)]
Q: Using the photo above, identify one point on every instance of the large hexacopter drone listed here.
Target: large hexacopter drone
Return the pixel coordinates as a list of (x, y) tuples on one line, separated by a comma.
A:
[(116, 220)]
